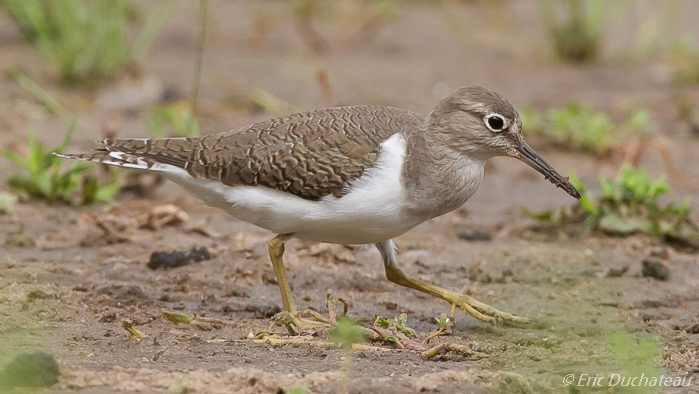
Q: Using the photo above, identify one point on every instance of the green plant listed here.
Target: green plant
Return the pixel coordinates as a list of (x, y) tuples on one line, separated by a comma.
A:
[(346, 333), (577, 37), (162, 121), (398, 324), (47, 181), (444, 321), (629, 205), (89, 40), (582, 127)]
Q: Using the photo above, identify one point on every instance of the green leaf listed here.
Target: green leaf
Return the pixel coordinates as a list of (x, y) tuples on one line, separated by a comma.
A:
[(443, 320), (381, 322), (409, 332), (589, 205), (177, 318), (576, 182), (402, 320)]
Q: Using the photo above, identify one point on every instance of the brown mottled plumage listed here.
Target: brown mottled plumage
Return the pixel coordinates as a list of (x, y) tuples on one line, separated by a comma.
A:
[(311, 154)]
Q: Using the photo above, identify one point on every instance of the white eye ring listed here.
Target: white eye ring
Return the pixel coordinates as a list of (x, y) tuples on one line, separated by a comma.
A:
[(496, 118)]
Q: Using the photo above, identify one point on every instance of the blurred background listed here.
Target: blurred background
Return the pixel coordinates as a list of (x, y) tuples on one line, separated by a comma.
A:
[(600, 85), (608, 92)]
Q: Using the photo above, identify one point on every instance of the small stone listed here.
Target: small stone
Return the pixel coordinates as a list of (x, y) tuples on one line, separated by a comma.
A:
[(263, 312), (474, 235), (659, 252), (617, 272), (177, 258), (654, 267), (127, 294), (108, 318)]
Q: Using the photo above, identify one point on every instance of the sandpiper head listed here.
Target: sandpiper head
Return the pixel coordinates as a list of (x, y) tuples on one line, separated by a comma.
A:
[(481, 124)]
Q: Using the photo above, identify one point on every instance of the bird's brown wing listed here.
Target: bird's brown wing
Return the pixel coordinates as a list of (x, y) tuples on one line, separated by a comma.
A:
[(311, 154)]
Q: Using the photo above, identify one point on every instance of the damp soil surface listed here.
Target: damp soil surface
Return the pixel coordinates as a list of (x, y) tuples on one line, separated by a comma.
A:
[(70, 277)]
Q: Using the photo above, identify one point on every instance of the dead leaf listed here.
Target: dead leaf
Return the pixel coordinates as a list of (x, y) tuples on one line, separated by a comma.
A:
[(163, 215)]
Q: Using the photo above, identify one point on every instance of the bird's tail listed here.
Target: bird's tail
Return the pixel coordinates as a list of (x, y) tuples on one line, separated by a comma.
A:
[(141, 154)]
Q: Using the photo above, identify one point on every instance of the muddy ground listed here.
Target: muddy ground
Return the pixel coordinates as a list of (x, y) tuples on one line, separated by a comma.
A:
[(66, 285)]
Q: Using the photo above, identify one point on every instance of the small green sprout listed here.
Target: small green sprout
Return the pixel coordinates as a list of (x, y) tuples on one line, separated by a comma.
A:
[(400, 323), (443, 320), (381, 321), (47, 181)]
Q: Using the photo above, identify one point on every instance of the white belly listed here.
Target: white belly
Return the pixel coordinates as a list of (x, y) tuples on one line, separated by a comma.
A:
[(374, 210)]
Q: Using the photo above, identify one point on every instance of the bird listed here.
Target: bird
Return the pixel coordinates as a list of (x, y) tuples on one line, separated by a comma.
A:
[(361, 174)]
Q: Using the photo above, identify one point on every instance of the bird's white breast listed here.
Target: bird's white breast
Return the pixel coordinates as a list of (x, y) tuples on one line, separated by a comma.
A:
[(372, 210)]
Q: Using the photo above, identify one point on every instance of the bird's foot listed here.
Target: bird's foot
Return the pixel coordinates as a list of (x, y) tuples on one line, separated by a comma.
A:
[(309, 319), (302, 320), (485, 312)]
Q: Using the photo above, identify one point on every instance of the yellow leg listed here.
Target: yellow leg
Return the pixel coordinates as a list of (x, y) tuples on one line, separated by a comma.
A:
[(290, 314), (276, 253), (477, 309)]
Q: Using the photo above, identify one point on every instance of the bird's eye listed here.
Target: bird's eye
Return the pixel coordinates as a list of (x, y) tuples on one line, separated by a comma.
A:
[(495, 123)]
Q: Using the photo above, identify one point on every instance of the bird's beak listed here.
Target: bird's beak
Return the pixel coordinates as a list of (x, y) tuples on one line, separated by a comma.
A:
[(529, 156)]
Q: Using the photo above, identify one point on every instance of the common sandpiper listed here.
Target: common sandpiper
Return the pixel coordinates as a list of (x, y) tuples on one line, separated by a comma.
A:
[(361, 174)]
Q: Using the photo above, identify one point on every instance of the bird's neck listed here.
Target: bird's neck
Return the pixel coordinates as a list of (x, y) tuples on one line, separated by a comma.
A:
[(438, 179)]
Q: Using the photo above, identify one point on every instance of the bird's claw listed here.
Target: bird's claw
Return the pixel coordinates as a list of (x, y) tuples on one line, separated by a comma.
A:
[(487, 313), (294, 321)]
